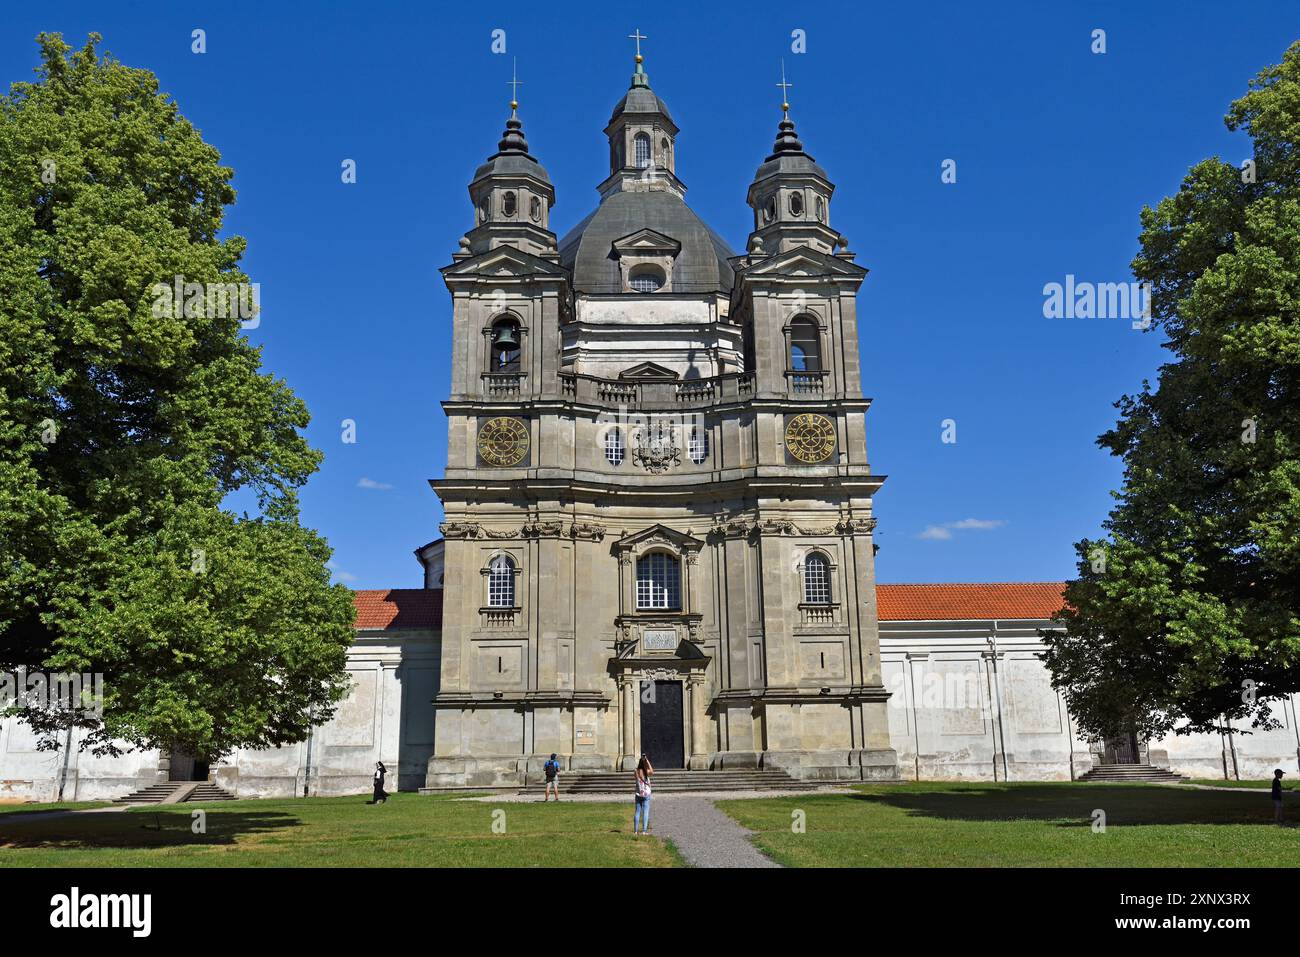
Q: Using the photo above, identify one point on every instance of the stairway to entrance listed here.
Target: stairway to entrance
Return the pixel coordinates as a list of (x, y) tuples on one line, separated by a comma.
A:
[(677, 781), (1136, 773), (177, 792)]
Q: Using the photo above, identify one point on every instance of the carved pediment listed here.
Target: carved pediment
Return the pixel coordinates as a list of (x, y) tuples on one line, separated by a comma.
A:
[(648, 371), (658, 535), (646, 242), (804, 261), (500, 262)]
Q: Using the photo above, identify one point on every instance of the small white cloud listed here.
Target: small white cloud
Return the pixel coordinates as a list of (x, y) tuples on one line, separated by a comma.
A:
[(364, 482), (339, 573), (941, 533), (979, 524)]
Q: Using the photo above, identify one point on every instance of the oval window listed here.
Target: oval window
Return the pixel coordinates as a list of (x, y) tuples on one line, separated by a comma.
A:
[(535, 209), (821, 209), (484, 210), (796, 204), (769, 211), (509, 204)]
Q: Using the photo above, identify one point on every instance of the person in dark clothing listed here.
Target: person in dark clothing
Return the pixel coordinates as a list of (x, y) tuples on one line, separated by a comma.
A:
[(1277, 796), (552, 772), (381, 796)]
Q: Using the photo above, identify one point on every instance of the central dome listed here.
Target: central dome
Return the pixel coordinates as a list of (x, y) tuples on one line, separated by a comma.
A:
[(588, 249)]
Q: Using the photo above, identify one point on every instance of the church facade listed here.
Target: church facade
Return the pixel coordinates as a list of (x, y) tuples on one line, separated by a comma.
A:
[(658, 501), (658, 536)]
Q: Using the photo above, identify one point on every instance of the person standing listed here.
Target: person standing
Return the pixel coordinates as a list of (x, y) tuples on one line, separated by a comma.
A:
[(641, 816), (1277, 796), (381, 796), (552, 771)]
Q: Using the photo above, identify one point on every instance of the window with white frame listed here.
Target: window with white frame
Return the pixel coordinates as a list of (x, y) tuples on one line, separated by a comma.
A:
[(501, 583), (697, 447), (658, 582), (816, 580), (615, 450)]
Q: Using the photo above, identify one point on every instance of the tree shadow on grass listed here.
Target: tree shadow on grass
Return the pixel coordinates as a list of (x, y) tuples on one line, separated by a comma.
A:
[(141, 829), (1074, 806)]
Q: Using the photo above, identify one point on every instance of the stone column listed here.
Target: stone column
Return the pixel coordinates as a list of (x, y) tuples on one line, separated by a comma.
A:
[(627, 747), (699, 757)]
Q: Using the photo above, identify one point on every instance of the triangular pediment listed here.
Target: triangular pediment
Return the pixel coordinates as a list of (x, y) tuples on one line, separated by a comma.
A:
[(646, 241), (648, 370), (504, 261), (804, 261), (659, 534)]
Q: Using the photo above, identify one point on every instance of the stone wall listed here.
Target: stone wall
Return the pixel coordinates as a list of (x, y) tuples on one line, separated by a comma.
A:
[(387, 718), (956, 713)]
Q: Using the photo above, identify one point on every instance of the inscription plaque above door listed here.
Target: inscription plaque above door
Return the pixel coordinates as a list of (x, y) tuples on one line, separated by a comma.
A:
[(659, 640)]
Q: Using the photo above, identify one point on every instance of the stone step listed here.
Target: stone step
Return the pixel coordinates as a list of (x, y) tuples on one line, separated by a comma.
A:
[(1138, 773), (159, 793), (623, 782)]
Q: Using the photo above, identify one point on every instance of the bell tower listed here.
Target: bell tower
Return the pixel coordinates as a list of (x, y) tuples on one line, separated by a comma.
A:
[(512, 195)]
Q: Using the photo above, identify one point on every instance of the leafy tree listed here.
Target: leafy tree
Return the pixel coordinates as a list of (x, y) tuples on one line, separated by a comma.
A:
[(124, 424), (1190, 609)]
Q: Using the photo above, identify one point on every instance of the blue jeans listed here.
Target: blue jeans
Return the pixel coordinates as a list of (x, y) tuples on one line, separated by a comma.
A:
[(641, 817)]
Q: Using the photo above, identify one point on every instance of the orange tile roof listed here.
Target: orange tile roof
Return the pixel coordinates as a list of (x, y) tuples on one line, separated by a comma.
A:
[(969, 601), (395, 608)]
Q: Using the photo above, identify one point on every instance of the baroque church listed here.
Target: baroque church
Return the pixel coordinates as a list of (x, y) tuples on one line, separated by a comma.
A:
[(658, 536), (658, 502)]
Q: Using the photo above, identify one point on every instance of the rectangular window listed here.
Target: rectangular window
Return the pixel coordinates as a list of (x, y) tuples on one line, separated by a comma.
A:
[(658, 582)]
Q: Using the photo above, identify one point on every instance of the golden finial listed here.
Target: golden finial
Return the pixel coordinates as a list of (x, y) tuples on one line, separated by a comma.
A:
[(785, 91), (638, 36), (515, 83)]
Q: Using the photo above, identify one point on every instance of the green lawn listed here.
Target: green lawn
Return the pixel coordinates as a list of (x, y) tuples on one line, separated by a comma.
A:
[(51, 806), (1266, 783), (408, 831), (1023, 825)]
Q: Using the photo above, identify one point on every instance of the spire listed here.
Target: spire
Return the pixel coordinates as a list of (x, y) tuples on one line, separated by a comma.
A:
[(786, 140), (512, 140), (639, 77)]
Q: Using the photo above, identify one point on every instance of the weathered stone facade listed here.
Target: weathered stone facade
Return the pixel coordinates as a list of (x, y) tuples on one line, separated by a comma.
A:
[(649, 439)]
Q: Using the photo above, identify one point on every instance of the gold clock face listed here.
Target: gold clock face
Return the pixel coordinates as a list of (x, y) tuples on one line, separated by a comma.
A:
[(810, 437), (503, 442)]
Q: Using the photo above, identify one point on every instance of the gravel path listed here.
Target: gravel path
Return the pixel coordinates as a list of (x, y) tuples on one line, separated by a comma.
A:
[(703, 835)]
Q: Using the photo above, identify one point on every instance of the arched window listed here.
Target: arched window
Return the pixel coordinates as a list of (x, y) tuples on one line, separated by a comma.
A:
[(646, 279), (505, 345), (697, 446), (805, 346), (641, 143), (615, 450), (658, 582), (816, 580), (501, 582), (664, 151)]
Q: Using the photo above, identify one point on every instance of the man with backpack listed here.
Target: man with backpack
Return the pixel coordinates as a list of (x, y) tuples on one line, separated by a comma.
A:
[(552, 771)]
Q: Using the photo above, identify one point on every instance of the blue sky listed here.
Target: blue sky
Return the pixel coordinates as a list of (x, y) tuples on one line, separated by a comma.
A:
[(1057, 149)]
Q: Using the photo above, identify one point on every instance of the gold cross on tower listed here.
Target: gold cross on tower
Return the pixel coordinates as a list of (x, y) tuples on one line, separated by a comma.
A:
[(515, 83), (638, 37), (785, 91)]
